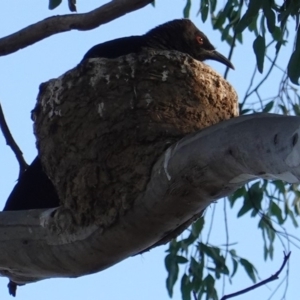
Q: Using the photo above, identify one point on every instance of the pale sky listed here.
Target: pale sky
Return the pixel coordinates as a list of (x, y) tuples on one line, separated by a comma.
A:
[(141, 277)]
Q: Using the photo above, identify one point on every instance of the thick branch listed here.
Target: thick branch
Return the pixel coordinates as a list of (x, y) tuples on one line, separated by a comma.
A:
[(104, 132), (57, 24), (190, 175)]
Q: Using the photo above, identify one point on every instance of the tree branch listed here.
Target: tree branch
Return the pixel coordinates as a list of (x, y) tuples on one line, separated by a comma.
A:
[(57, 24), (11, 143), (40, 244), (263, 282)]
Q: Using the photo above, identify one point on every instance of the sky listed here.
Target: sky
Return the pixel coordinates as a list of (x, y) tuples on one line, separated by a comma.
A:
[(21, 73)]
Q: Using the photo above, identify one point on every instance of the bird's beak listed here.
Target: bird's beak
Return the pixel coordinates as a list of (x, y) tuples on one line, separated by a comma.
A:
[(215, 55)]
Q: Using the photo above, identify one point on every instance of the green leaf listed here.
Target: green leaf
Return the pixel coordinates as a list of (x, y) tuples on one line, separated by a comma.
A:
[(266, 252), (252, 12), (225, 32), (193, 236), (249, 268), (275, 210), (181, 259), (239, 37), (280, 187), (173, 269), (270, 232), (213, 5), (289, 213), (153, 3), (234, 16), (259, 47), (197, 227), (188, 241), (221, 17), (241, 192), (212, 252), (277, 34), (293, 67), (174, 247), (187, 9), (204, 8), (219, 21), (54, 3), (271, 251), (218, 259), (253, 25), (296, 109), (252, 199), (210, 285), (284, 110), (186, 287), (262, 225), (270, 15), (235, 267), (196, 271), (268, 107), (247, 206)]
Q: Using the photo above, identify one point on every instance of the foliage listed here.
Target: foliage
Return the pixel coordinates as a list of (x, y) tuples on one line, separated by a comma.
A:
[(265, 19), (274, 203), (54, 3), (207, 264)]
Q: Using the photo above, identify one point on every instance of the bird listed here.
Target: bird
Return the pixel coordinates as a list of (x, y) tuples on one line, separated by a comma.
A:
[(181, 35), (34, 190)]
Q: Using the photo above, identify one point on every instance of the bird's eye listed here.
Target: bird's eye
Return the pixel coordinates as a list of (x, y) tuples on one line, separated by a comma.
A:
[(199, 40)]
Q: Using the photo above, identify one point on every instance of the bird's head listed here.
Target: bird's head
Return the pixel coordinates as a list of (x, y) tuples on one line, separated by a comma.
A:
[(182, 35)]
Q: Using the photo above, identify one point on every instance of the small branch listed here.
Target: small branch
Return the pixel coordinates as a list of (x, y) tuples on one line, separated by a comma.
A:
[(249, 87), (211, 223), (11, 143), (227, 237), (273, 64), (57, 24), (232, 46), (271, 278)]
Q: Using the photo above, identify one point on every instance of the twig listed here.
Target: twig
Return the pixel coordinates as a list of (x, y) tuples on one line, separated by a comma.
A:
[(271, 278), (11, 143), (232, 46), (227, 236), (211, 223), (249, 93), (53, 25), (195, 295)]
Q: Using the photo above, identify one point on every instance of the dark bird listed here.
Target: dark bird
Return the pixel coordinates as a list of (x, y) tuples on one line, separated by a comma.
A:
[(181, 35), (34, 189)]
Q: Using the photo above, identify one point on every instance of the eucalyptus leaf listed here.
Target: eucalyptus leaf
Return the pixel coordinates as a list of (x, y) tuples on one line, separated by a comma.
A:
[(187, 9), (259, 47), (54, 3), (293, 67), (252, 12)]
